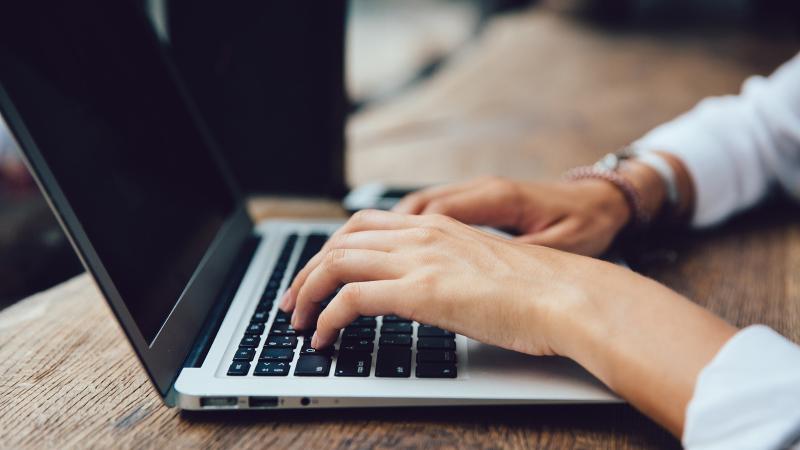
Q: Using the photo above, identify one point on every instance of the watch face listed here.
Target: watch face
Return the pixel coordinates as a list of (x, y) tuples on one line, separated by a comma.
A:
[(609, 162)]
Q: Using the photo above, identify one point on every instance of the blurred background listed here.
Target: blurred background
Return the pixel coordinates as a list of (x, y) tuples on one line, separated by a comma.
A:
[(491, 80)]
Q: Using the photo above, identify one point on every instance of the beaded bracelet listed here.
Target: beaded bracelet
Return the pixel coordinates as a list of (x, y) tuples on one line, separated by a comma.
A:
[(606, 169)]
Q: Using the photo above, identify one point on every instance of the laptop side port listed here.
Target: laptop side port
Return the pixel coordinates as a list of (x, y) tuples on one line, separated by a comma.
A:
[(263, 402), (218, 402)]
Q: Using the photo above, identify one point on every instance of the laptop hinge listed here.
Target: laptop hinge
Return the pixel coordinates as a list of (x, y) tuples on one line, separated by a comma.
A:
[(214, 319), (171, 399)]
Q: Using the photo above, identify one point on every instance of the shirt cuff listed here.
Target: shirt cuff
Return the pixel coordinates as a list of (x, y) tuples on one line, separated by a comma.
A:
[(748, 396), (714, 173)]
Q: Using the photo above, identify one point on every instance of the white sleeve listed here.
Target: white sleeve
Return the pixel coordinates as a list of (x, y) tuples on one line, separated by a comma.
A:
[(737, 147), (748, 396)]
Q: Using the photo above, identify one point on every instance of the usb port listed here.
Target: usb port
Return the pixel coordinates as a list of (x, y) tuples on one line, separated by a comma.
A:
[(263, 402), (218, 402)]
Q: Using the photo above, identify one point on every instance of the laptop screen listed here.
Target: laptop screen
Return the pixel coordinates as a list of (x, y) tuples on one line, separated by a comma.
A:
[(116, 135)]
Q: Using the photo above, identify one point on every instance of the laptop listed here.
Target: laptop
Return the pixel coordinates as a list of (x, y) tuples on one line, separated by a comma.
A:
[(128, 168)]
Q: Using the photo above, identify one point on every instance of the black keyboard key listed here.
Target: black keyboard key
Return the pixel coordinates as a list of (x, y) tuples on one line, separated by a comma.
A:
[(436, 344), (239, 368), (272, 369), (393, 362), (396, 328), (260, 316), (356, 345), (393, 318), (244, 354), (276, 354), (255, 329), (365, 321), (309, 350), (281, 342), (313, 366), (431, 331), (353, 327), (283, 329), (358, 333), (314, 243), (250, 341), (436, 356), (395, 340), (285, 255), (282, 317), (353, 364), (436, 370)]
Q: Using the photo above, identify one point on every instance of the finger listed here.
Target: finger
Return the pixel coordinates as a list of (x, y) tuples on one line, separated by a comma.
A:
[(559, 235), (415, 202), (369, 298), (476, 207), (341, 266), (380, 240), (361, 221)]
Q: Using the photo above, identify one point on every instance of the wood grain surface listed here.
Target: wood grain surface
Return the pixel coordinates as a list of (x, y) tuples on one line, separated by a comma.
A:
[(537, 93)]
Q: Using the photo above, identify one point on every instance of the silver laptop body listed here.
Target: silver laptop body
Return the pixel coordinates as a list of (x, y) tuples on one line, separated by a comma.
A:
[(141, 191)]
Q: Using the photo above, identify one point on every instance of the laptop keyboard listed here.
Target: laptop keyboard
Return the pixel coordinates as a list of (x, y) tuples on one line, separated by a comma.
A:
[(270, 351)]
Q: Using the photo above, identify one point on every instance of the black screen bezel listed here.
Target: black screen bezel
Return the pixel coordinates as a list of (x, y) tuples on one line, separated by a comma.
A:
[(163, 358)]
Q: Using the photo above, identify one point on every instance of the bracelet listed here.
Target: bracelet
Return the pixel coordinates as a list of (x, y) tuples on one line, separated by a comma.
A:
[(665, 171), (601, 171)]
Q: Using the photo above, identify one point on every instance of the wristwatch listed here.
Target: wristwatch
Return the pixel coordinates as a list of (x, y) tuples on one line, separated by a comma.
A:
[(658, 163)]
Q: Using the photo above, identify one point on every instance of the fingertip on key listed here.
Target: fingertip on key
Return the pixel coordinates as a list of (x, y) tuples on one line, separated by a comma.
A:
[(284, 304), (314, 340)]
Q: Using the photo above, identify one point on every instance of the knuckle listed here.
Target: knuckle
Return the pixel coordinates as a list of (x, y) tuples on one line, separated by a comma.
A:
[(335, 257), (428, 281), (438, 207), (413, 198), (502, 184), (441, 221), (338, 241), (432, 234), (350, 295), (362, 216), (424, 235)]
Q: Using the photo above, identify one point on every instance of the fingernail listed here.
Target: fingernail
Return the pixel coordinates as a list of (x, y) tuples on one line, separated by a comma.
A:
[(314, 340), (285, 299), (294, 321)]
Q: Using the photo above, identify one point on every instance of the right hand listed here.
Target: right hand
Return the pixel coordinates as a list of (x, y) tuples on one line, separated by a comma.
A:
[(580, 216), (438, 271)]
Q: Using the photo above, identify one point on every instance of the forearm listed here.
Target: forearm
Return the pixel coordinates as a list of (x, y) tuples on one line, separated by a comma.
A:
[(644, 341)]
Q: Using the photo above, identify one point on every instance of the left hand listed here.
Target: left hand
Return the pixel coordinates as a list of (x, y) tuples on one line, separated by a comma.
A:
[(578, 216)]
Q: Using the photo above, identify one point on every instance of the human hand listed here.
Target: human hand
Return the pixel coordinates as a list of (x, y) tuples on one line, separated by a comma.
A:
[(436, 270), (580, 217)]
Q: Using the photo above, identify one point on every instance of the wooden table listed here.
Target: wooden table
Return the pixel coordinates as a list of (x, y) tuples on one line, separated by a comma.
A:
[(537, 93)]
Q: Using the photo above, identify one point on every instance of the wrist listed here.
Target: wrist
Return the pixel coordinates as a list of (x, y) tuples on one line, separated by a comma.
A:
[(610, 202), (639, 338), (578, 323), (648, 184)]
